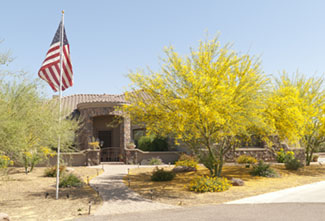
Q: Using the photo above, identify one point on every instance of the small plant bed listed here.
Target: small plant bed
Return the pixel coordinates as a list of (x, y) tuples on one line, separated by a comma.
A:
[(32, 196), (263, 169), (176, 191), (247, 160), (160, 175)]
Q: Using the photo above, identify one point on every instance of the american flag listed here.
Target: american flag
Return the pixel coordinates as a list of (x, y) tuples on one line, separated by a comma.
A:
[(50, 70)]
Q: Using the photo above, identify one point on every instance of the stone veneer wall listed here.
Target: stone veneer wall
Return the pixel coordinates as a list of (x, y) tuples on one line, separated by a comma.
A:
[(125, 137), (136, 156), (265, 154), (82, 158), (259, 153)]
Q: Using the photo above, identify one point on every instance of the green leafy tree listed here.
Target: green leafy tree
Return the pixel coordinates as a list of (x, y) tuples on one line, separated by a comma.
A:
[(29, 121)]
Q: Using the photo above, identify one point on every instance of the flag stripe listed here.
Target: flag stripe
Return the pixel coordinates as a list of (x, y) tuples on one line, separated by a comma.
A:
[(56, 71), (68, 68), (64, 79), (54, 78), (67, 54), (51, 82), (53, 57)]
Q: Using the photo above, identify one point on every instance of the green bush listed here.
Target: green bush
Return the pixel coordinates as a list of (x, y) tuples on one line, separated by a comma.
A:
[(293, 164), (155, 161), (70, 180), (282, 155), (152, 143), (187, 160), (162, 175), (208, 161), (209, 184), (51, 171), (263, 169), (315, 157), (245, 159)]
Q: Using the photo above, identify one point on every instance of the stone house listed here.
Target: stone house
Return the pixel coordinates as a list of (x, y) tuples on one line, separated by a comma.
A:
[(97, 112)]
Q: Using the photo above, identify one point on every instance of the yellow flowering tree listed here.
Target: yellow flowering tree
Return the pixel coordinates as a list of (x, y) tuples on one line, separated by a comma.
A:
[(206, 100), (295, 112)]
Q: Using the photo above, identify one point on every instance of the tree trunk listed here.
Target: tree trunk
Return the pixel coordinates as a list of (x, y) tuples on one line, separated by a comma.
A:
[(310, 157), (26, 166), (309, 154)]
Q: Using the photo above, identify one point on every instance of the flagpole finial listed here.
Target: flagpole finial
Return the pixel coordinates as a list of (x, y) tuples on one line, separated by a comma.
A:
[(62, 12)]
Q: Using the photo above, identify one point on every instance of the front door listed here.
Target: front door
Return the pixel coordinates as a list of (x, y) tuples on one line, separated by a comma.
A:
[(107, 152), (105, 138)]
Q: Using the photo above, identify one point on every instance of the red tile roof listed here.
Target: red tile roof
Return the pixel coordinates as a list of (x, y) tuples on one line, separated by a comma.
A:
[(69, 103)]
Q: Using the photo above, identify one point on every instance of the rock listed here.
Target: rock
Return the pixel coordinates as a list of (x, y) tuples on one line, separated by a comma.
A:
[(183, 169), (4, 217), (69, 169), (237, 182)]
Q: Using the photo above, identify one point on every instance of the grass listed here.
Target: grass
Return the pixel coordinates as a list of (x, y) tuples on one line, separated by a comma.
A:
[(23, 196), (175, 191)]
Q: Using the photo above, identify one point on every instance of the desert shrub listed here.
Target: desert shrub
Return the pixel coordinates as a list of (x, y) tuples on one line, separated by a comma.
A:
[(152, 143), (70, 180), (5, 161), (209, 184), (263, 169), (293, 164), (51, 171), (187, 160), (208, 161), (162, 175), (315, 157), (155, 161), (282, 155), (245, 159)]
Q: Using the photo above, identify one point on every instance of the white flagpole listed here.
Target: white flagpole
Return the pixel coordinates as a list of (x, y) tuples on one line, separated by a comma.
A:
[(60, 107)]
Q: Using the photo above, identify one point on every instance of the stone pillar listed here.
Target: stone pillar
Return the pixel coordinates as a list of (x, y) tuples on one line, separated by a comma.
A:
[(92, 157), (86, 132), (125, 135)]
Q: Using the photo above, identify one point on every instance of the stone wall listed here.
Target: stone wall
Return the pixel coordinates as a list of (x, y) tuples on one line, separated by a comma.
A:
[(136, 156), (82, 158), (259, 153), (266, 154)]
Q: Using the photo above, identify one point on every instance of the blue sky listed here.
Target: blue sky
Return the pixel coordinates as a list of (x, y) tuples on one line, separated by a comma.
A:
[(110, 38)]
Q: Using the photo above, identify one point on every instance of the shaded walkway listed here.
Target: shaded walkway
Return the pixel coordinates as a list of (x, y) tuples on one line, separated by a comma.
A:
[(117, 197)]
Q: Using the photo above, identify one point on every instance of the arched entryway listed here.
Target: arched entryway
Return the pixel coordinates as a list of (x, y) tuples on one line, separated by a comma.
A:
[(107, 130), (100, 122)]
